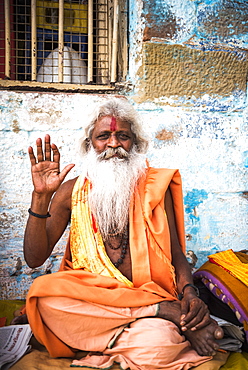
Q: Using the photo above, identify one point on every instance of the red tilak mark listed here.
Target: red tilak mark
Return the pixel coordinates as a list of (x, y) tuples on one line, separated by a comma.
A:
[(113, 124)]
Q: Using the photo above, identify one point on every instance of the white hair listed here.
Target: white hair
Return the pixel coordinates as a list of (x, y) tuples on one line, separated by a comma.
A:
[(113, 182), (122, 110)]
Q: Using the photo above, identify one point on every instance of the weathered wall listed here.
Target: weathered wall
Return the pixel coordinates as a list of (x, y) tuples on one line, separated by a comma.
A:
[(188, 72), (25, 117), (191, 86)]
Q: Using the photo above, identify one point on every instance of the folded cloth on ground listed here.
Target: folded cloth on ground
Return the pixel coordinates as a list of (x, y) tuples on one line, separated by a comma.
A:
[(226, 288), (233, 335), (229, 261)]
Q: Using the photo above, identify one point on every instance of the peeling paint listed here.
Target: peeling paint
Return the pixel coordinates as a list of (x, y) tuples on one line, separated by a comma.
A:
[(160, 20), (223, 20), (165, 135), (192, 200), (15, 126)]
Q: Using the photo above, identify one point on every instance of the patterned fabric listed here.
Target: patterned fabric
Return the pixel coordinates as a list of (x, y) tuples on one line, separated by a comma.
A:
[(87, 247), (230, 262), (227, 288)]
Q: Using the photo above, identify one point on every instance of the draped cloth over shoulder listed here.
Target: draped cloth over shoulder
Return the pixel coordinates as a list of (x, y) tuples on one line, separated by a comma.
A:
[(152, 271)]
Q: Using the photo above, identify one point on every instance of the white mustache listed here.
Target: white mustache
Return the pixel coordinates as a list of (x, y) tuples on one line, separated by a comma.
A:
[(111, 152)]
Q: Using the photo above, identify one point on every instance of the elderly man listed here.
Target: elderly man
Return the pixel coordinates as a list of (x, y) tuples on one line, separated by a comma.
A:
[(117, 290)]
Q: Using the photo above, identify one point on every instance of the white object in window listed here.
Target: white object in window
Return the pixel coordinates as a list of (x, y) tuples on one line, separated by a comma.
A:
[(74, 68)]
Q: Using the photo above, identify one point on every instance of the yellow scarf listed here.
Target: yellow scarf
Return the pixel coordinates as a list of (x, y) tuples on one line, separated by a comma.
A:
[(86, 244)]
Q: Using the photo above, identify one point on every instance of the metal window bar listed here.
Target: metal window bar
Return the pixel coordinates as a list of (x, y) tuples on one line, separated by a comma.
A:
[(33, 41), (35, 29), (90, 41), (61, 40), (7, 38), (102, 52), (114, 41)]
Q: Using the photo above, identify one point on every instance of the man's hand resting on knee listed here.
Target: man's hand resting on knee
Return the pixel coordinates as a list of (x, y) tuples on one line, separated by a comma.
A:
[(194, 312)]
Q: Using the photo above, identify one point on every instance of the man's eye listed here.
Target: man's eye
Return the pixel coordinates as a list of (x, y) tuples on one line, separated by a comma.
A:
[(124, 137), (103, 137)]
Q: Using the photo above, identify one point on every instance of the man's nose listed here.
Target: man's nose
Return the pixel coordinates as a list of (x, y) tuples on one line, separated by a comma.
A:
[(113, 141)]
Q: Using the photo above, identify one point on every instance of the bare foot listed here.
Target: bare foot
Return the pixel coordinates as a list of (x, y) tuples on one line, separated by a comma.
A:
[(20, 320), (202, 340)]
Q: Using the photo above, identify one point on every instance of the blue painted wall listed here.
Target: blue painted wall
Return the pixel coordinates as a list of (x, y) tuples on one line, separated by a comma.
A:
[(201, 126)]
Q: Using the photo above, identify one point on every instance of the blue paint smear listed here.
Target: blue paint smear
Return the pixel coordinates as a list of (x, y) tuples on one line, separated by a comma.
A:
[(210, 104), (191, 200), (245, 156), (212, 127), (194, 230), (215, 12), (212, 44)]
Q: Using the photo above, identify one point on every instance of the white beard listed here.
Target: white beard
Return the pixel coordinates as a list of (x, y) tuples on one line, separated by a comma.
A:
[(113, 181)]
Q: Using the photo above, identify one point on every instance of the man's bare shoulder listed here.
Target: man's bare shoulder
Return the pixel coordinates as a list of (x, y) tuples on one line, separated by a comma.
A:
[(63, 194), (68, 186)]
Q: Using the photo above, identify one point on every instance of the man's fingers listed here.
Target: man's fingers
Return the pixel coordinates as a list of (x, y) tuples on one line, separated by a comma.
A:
[(184, 308), (195, 308), (204, 322), (40, 157), (198, 322), (65, 171), (47, 148), (56, 154), (31, 156), (191, 315), (46, 154)]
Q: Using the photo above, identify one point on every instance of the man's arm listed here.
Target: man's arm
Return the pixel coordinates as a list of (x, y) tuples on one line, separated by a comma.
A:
[(194, 312), (41, 234)]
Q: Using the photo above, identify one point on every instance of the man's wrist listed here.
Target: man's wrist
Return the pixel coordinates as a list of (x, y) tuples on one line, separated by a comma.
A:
[(40, 202), (187, 287)]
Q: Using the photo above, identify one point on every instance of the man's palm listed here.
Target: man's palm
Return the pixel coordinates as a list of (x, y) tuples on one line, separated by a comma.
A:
[(46, 177)]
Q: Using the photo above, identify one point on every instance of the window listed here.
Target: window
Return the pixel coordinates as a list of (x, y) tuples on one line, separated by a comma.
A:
[(79, 42)]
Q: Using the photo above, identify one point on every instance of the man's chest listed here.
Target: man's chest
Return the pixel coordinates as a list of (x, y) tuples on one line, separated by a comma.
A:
[(119, 254)]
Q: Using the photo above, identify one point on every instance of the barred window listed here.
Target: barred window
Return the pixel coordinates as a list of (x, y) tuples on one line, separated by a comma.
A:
[(81, 42)]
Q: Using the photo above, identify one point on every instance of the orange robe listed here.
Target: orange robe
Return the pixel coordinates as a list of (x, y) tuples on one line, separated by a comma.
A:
[(152, 272)]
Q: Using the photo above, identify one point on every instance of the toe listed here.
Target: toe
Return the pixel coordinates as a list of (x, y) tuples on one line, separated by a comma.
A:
[(218, 334)]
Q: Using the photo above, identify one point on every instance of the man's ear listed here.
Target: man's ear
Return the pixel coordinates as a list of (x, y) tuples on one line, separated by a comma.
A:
[(87, 144), (135, 142)]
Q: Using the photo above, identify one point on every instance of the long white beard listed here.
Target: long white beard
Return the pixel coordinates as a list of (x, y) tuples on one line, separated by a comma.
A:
[(113, 181)]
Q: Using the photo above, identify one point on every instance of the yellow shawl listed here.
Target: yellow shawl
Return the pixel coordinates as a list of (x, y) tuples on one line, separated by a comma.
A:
[(87, 247)]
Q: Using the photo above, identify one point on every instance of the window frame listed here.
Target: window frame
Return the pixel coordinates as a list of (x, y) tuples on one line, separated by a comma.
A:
[(120, 8)]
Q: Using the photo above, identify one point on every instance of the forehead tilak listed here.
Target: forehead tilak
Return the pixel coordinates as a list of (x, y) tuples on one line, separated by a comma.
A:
[(113, 126)]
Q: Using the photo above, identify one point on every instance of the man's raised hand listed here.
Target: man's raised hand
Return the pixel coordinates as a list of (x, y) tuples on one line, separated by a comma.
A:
[(45, 168)]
